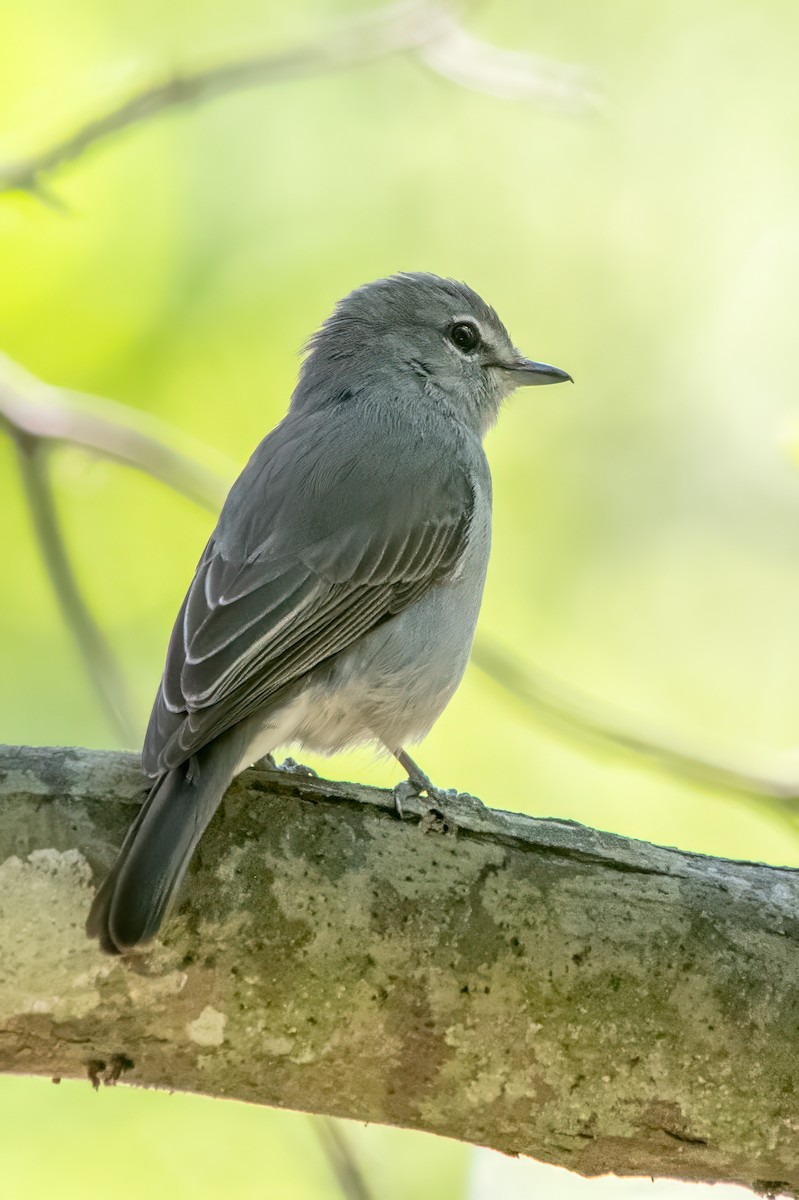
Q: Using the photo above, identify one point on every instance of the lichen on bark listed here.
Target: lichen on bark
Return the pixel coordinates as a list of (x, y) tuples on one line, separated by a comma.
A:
[(529, 985)]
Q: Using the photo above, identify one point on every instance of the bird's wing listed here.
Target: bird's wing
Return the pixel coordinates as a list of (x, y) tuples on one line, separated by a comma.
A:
[(315, 547)]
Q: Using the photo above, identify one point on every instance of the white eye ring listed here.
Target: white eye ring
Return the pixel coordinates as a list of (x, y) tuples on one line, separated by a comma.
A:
[(465, 336)]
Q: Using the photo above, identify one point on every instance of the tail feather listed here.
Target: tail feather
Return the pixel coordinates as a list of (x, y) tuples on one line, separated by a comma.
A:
[(134, 900)]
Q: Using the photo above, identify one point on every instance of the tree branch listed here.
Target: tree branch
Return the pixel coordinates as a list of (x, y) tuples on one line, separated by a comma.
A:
[(38, 412), (535, 986), (343, 1163), (38, 417), (103, 669), (508, 74), (411, 25)]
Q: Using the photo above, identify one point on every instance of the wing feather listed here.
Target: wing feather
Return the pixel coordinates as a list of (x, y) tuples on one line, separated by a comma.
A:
[(294, 574)]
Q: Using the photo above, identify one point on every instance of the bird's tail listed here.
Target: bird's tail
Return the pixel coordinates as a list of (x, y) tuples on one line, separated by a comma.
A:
[(134, 900)]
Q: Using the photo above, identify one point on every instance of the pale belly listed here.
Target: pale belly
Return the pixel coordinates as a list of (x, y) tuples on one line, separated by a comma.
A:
[(389, 689), (392, 685)]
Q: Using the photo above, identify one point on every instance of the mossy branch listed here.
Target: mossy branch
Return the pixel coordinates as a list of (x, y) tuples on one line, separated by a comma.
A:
[(534, 986)]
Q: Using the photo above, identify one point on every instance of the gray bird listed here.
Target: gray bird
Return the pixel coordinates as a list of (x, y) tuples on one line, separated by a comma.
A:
[(336, 601)]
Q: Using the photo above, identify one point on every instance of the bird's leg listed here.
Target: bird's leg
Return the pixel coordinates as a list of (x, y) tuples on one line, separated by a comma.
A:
[(416, 783), (416, 775), (442, 802)]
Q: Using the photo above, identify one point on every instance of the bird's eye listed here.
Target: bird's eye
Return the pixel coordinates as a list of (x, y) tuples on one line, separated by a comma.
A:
[(465, 336)]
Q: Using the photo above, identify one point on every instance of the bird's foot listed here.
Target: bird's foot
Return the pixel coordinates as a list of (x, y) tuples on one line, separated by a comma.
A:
[(446, 806), (289, 765), (292, 767), (403, 791)]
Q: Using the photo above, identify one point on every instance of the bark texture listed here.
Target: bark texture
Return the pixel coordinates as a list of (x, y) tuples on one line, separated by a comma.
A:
[(535, 986)]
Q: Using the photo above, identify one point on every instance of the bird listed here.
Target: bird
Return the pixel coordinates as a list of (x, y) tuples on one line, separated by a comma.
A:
[(336, 601)]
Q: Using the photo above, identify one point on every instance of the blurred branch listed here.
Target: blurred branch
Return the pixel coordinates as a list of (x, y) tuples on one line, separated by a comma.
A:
[(410, 26), (38, 417), (342, 1161), (772, 779), (534, 986), (508, 74), (31, 408), (101, 664)]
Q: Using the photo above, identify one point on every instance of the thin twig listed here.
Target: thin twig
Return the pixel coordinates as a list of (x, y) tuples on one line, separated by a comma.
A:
[(102, 666), (509, 74), (393, 29), (341, 1159), (38, 417), (365, 38), (772, 781)]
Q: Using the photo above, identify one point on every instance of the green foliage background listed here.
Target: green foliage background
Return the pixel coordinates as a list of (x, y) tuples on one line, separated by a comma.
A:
[(646, 520)]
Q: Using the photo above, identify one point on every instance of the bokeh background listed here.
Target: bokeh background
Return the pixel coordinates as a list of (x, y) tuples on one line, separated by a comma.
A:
[(646, 537)]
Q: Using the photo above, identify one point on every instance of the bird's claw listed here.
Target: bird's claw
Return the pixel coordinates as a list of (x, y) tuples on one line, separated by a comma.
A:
[(292, 767), (445, 805), (402, 792), (289, 765)]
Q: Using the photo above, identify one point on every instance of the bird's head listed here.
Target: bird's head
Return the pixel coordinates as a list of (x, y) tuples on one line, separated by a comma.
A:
[(417, 332)]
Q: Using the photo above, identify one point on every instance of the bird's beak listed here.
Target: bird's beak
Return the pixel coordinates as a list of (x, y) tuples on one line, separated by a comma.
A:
[(526, 373)]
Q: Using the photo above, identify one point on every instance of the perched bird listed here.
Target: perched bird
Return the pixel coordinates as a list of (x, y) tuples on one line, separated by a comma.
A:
[(336, 601)]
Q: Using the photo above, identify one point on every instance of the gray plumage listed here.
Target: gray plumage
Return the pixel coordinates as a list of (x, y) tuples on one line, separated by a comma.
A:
[(336, 600)]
